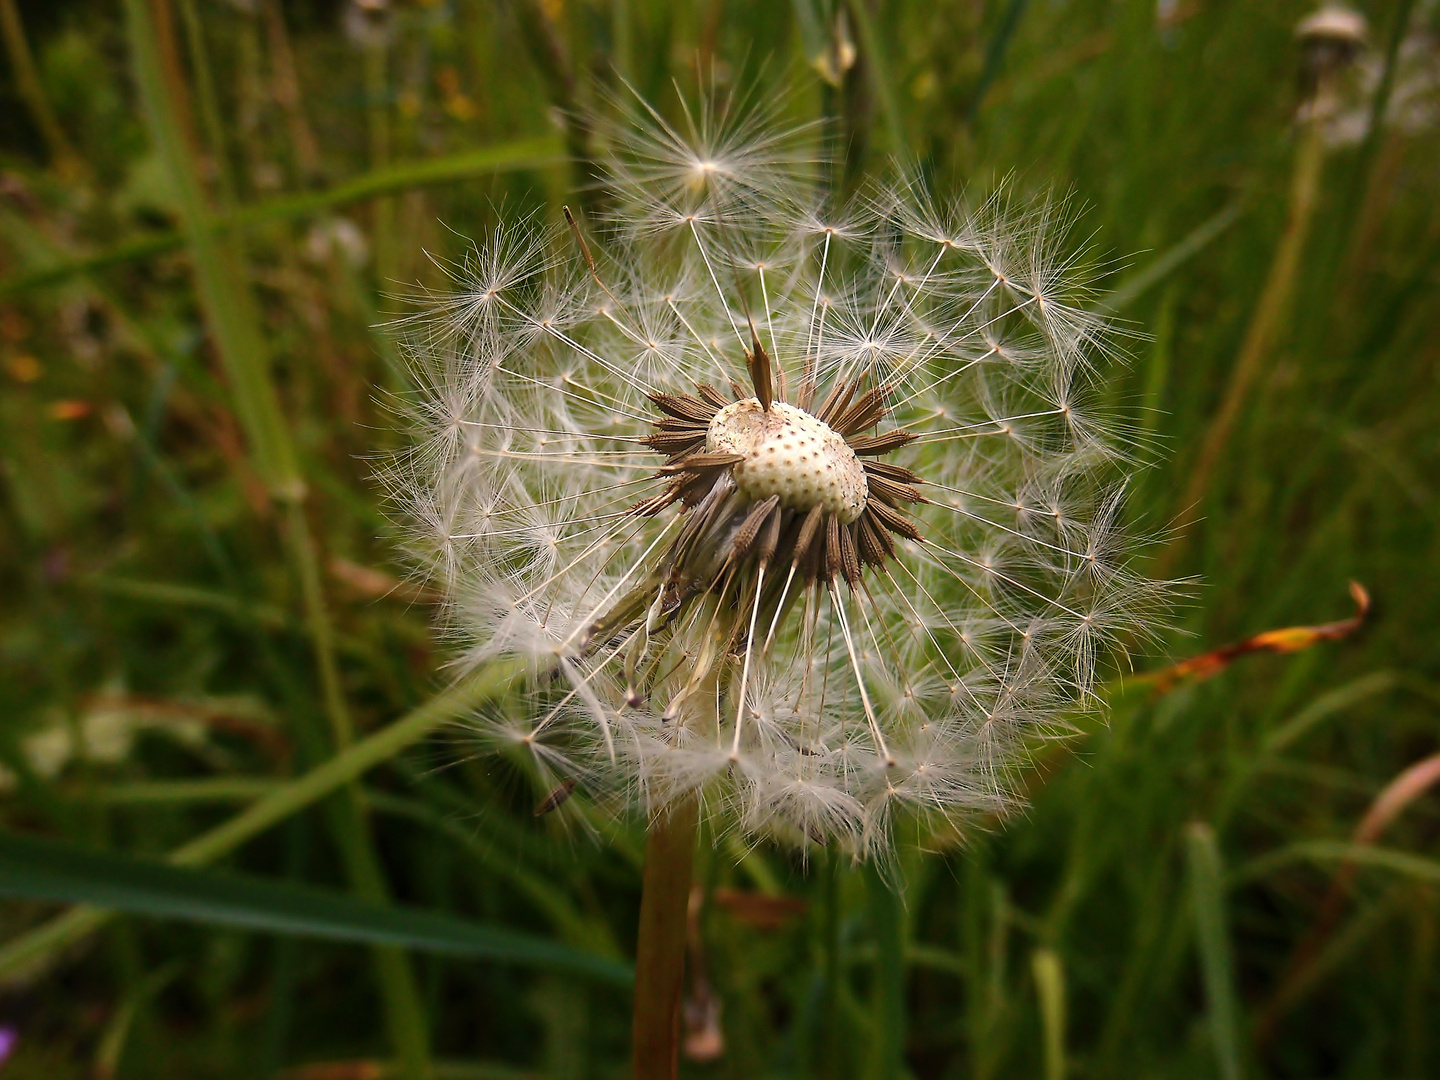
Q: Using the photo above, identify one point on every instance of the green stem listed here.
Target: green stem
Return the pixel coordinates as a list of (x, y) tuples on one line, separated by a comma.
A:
[(285, 87), (1268, 320), (229, 308), (831, 1055), (32, 92), (547, 51), (1212, 940), (23, 956), (887, 912), (377, 111), (208, 100), (877, 67), (1049, 975), (405, 1016), (660, 948), (318, 625)]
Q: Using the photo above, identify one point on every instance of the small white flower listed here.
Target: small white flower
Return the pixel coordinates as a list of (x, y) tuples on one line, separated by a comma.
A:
[(801, 507)]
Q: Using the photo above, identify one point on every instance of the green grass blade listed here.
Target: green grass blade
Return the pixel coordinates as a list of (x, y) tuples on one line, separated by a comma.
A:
[(164, 592), (33, 949), (507, 157), (887, 913), (995, 55), (176, 792), (882, 82), (1135, 286), (1328, 851), (1050, 988), (32, 869), (569, 922), (1207, 894), (449, 169)]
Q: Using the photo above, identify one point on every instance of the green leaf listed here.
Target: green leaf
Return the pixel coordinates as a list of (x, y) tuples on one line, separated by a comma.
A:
[(32, 869), (1135, 286), (506, 157), (1325, 851), (1212, 938)]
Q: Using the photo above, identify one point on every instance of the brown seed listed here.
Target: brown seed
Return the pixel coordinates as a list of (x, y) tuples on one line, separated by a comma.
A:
[(556, 798), (874, 445)]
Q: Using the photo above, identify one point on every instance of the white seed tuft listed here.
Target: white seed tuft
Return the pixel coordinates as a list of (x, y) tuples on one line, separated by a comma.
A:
[(963, 575)]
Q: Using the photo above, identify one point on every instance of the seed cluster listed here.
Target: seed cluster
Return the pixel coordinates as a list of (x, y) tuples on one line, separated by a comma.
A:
[(772, 485), (787, 452)]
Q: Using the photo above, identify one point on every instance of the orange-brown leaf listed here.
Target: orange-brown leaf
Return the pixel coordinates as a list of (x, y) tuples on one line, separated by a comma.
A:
[(1287, 639)]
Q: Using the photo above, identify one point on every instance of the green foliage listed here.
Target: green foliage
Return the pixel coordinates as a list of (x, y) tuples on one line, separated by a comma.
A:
[(44, 870), (186, 533)]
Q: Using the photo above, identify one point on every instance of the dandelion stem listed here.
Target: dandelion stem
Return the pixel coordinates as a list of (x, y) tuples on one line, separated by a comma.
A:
[(660, 950)]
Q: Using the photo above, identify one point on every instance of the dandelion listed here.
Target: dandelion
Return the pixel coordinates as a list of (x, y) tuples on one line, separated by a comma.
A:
[(800, 514), (805, 510)]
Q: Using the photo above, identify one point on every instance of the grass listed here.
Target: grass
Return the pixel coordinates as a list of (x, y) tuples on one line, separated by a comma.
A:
[(192, 382)]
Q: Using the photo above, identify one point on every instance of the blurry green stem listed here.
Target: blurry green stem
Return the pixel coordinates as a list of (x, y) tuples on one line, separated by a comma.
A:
[(408, 1028), (1268, 319), (878, 67), (1363, 174), (547, 51), (831, 1051), (285, 85), (27, 83), (317, 620), (887, 913), (24, 954), (995, 55), (209, 102), (377, 111), (660, 946), (1212, 936), (226, 300), (1050, 987)]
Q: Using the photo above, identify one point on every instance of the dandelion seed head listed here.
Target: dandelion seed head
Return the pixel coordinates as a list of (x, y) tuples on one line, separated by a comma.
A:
[(808, 509)]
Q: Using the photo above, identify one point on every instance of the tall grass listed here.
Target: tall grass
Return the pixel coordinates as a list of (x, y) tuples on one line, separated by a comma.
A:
[(211, 653)]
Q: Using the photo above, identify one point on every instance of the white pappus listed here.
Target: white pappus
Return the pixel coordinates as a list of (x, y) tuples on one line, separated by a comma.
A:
[(802, 507)]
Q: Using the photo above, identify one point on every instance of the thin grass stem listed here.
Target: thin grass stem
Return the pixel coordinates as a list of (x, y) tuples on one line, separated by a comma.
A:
[(1049, 975), (887, 913), (1212, 936), (209, 102), (234, 323), (67, 162), (1268, 320), (27, 954)]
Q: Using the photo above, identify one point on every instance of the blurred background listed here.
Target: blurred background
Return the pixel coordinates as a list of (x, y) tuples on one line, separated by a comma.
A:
[(208, 210)]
